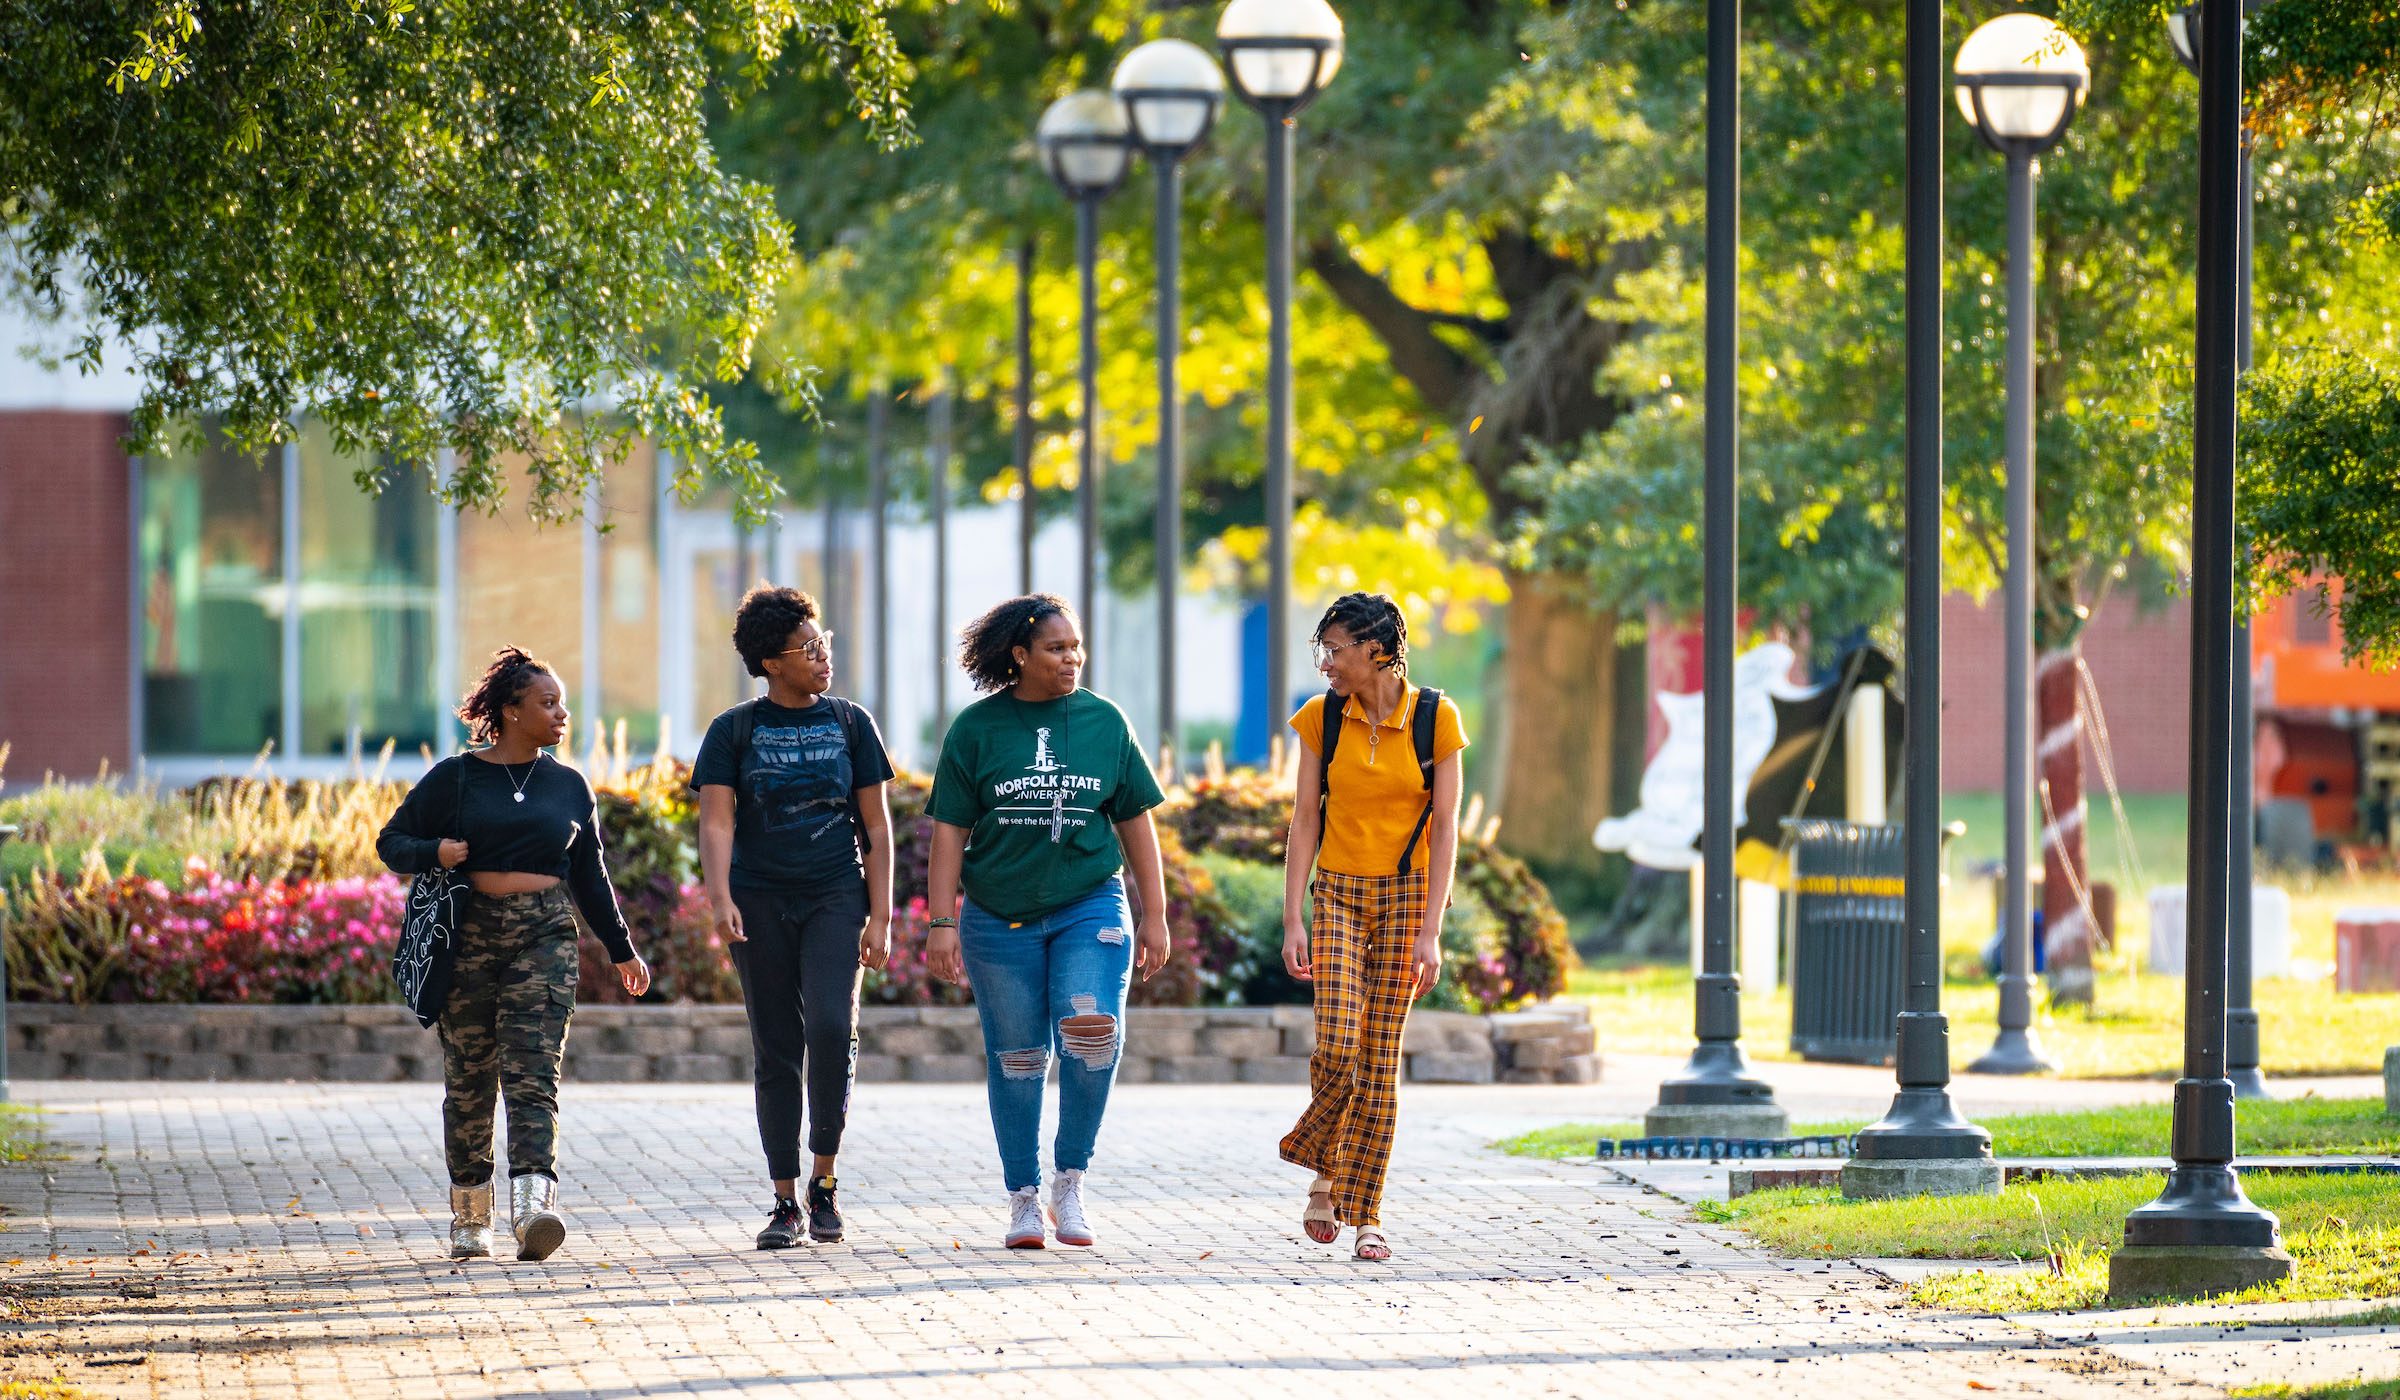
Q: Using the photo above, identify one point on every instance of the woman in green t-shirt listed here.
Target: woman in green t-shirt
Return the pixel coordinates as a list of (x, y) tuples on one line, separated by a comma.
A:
[(1041, 798)]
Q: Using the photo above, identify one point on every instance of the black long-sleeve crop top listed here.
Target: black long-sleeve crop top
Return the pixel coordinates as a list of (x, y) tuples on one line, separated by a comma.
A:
[(555, 830)]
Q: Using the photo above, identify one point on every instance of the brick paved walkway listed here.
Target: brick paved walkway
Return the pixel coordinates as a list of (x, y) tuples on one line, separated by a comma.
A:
[(279, 1240)]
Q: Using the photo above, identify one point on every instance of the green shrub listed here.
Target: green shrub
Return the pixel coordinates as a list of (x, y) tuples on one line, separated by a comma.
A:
[(1504, 942), (1252, 893)]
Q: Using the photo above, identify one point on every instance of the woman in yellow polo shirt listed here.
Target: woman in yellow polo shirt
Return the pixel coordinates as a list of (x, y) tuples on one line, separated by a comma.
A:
[(1379, 828)]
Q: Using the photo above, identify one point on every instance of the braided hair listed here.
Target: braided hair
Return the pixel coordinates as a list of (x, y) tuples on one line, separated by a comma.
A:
[(766, 620), (1371, 617), (987, 646), (503, 683)]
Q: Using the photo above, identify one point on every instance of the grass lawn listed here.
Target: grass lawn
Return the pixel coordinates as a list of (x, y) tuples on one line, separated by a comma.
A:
[(2339, 1390), (2134, 1031), (20, 1133), (2344, 1233), (2295, 1126)]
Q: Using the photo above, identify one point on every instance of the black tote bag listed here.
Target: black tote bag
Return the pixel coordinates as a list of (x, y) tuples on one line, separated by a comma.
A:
[(429, 935)]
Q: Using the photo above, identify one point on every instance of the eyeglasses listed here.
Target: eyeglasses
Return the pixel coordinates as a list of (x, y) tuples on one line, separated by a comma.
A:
[(817, 648), (1322, 654)]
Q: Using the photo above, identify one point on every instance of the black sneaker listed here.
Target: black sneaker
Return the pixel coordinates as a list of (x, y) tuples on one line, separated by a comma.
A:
[(824, 1218), (783, 1225)]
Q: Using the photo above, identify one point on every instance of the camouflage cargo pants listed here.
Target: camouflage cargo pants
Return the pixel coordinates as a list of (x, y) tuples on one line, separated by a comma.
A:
[(504, 1031)]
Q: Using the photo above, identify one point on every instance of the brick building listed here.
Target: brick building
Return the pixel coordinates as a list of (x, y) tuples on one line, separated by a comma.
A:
[(2141, 666), (177, 615)]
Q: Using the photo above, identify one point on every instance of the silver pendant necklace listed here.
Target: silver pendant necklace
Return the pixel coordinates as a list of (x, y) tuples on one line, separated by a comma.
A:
[(512, 776)]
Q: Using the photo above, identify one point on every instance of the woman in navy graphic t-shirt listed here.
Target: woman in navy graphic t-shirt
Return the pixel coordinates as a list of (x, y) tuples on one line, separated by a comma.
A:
[(796, 849)]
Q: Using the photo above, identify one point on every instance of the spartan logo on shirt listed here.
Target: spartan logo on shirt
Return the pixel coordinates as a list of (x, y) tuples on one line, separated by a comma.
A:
[(800, 776)]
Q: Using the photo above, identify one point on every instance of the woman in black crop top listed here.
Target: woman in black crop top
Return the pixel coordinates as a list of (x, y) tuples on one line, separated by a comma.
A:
[(524, 827)]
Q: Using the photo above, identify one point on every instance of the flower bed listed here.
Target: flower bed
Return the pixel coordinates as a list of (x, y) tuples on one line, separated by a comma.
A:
[(278, 898)]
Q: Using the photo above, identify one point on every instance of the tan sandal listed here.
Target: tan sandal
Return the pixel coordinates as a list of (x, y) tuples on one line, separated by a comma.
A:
[(1318, 1221), (1371, 1245)]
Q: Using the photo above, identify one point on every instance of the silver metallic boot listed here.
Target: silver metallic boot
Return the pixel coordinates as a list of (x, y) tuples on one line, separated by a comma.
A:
[(533, 1207), (471, 1221)]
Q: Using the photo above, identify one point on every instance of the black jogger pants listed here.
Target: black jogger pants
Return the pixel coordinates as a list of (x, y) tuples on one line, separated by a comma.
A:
[(800, 974)]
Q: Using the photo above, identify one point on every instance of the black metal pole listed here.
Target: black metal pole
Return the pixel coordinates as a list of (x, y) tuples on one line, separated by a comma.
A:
[(7, 1093), (1087, 479), (2017, 1049), (879, 505), (1024, 435), (1943, 1152), (1170, 439), (1279, 407), (830, 602), (2241, 1016), (1715, 1083), (2202, 1228), (937, 495)]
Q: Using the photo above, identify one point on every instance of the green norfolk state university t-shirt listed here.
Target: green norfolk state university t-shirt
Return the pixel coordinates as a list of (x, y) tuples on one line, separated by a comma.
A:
[(1040, 789)]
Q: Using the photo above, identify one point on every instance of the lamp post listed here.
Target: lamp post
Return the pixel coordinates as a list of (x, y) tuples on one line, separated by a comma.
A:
[(879, 537), (2203, 1235), (2241, 1017), (2021, 109), (1083, 142), (1715, 1095), (937, 500), (1171, 91), (1921, 1146), (1281, 53)]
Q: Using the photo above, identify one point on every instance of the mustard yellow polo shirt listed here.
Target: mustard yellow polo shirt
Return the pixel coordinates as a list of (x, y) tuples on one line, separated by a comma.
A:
[(1374, 793)]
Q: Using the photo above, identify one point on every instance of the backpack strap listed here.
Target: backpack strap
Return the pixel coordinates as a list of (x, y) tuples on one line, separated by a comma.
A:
[(848, 714), (748, 725), (1421, 726), (1330, 738)]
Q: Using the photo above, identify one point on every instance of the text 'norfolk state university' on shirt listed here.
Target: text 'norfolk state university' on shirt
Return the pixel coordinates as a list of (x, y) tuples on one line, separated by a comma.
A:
[(1040, 787)]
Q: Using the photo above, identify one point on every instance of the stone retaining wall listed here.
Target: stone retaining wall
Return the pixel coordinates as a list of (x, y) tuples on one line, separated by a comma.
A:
[(711, 1044)]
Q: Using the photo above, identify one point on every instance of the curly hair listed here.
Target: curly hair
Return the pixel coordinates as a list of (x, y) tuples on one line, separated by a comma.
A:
[(766, 620), (1371, 617), (502, 685), (987, 646)]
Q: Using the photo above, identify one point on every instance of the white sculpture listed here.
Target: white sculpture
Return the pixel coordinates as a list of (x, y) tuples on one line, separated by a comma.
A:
[(1660, 832)]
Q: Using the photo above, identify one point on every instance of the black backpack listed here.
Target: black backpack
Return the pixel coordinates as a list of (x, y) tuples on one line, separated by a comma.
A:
[(844, 711), (1420, 730)]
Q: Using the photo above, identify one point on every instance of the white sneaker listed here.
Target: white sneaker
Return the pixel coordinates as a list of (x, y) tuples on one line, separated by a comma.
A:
[(1066, 1208), (1025, 1219)]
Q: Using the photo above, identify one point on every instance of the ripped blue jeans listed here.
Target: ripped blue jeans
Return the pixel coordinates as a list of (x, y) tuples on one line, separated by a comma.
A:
[(1051, 984)]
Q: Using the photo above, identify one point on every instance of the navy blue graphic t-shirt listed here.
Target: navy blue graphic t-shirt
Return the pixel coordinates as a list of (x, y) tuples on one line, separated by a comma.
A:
[(791, 815)]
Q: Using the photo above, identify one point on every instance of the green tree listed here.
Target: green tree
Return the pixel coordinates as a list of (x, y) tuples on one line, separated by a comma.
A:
[(1480, 339), (1822, 380), (2318, 494), (433, 224)]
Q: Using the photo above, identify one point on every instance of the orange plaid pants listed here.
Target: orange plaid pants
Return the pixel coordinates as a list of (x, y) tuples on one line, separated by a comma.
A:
[(1359, 942)]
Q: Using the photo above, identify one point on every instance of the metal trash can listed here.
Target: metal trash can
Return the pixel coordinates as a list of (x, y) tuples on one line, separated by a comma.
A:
[(1849, 942)]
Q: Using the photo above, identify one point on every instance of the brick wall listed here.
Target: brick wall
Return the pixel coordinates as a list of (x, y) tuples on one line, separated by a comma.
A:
[(2140, 663), (65, 687)]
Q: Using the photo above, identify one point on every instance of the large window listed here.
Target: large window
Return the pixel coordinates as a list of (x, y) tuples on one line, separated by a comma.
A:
[(369, 591), (212, 602)]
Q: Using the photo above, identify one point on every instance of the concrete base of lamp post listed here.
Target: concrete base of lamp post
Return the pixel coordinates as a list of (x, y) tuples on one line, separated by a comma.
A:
[(2192, 1271), (1887, 1179), (2391, 1080), (1717, 1120)]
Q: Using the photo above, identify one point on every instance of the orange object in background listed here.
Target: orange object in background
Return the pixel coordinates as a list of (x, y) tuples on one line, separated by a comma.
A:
[(2314, 761), (2296, 658)]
